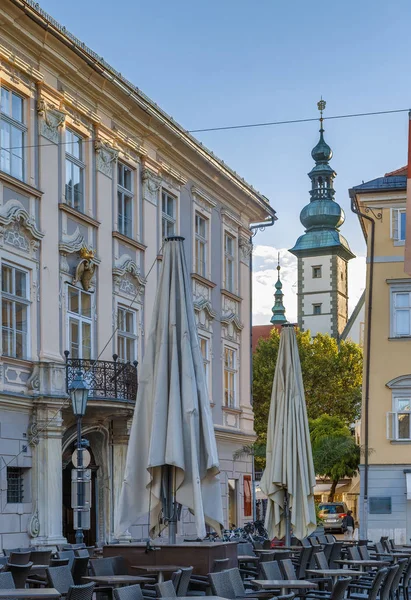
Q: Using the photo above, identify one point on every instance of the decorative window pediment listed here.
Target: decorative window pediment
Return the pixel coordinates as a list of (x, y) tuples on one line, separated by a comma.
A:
[(18, 228), (399, 383), (127, 276)]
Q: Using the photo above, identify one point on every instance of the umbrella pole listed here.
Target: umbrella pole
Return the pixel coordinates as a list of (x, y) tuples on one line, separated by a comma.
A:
[(287, 519), (172, 524)]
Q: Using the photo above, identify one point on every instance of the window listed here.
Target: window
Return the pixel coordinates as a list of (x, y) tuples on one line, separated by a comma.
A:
[(125, 200), (230, 374), (317, 272), (201, 235), (79, 323), (204, 349), (398, 220), (248, 496), (15, 485), (126, 335), (229, 262), (401, 313), (317, 309), (12, 133), (15, 311), (168, 214), (74, 171), (402, 418)]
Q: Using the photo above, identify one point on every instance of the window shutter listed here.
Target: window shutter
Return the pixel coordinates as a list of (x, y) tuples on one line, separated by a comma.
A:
[(395, 223), (390, 425)]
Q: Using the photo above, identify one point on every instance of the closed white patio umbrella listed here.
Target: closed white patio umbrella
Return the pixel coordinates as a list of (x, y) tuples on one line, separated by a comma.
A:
[(172, 453), (289, 478)]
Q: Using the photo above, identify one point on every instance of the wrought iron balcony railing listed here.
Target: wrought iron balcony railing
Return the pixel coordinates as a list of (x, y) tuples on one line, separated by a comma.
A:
[(105, 378)]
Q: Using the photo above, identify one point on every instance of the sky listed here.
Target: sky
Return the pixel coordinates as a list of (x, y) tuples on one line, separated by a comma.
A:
[(227, 62)]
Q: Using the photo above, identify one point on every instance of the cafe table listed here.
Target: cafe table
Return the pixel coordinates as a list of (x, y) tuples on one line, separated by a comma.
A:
[(394, 555), (335, 573), (362, 564), (27, 593), (158, 570), (284, 584), (117, 580)]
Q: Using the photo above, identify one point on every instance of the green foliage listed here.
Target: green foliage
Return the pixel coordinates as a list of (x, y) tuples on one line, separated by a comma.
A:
[(335, 452), (332, 376)]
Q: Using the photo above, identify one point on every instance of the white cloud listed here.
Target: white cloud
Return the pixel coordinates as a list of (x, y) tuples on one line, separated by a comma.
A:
[(265, 275)]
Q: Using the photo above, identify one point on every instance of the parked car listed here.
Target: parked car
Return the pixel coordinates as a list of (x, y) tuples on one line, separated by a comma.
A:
[(332, 515)]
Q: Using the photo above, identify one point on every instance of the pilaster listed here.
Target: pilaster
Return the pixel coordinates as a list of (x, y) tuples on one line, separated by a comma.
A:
[(46, 432), (120, 434)]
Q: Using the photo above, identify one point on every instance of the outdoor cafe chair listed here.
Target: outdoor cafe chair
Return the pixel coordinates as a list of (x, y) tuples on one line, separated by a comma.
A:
[(335, 554), (321, 560), (119, 565), (166, 589), (3, 560), (182, 587), (19, 573), (102, 566), (67, 554), (201, 582), (330, 538), (337, 593), (406, 582), (327, 549), (150, 590), (321, 539), (302, 562), (240, 587), (79, 569), (129, 592), (82, 553), (245, 548), (364, 552), (395, 590), (60, 578), (387, 588), (8, 551), (371, 592), (81, 592), (19, 558), (40, 557), (59, 562), (353, 553), (271, 570), (6, 581)]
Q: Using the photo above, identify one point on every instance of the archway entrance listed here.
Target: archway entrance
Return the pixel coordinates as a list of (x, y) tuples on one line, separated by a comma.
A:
[(90, 536)]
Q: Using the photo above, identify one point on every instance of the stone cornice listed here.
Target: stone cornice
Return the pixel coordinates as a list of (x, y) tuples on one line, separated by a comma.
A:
[(229, 216), (80, 108), (24, 187), (173, 173), (131, 143), (237, 436), (79, 215), (126, 240), (195, 191), (228, 294), (20, 64), (203, 280)]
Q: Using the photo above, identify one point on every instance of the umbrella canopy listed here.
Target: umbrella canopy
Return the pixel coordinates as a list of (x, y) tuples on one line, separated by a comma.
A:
[(289, 473), (172, 424)]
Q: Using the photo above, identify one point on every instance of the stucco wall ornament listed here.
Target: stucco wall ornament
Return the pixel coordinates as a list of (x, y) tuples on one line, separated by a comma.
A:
[(50, 120), (246, 248), (151, 185), (105, 157), (85, 268), (13, 212), (33, 526), (127, 276), (15, 224)]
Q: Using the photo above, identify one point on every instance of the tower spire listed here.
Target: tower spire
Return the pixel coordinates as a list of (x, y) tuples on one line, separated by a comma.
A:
[(278, 309)]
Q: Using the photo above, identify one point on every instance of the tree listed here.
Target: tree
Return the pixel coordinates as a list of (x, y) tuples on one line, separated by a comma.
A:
[(332, 375), (335, 452)]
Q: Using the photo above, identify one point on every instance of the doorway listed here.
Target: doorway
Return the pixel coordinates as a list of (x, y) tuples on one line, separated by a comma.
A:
[(232, 503), (90, 535)]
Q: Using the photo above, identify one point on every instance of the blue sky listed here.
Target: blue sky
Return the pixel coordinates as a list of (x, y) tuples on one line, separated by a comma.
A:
[(225, 62)]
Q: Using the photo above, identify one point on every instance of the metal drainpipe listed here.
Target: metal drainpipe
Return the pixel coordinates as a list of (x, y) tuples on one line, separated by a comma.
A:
[(364, 524), (254, 227)]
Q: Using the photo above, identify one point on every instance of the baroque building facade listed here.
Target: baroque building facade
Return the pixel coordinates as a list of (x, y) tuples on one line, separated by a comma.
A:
[(93, 176), (322, 252)]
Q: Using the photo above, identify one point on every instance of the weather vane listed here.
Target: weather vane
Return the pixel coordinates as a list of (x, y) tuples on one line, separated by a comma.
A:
[(321, 106)]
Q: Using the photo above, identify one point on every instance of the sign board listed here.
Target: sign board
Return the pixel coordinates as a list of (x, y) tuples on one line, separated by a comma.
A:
[(86, 457)]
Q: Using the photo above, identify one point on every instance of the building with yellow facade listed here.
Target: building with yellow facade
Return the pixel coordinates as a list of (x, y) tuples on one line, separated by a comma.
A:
[(385, 498)]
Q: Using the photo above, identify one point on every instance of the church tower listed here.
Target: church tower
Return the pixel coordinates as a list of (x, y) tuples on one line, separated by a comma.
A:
[(322, 252), (278, 309)]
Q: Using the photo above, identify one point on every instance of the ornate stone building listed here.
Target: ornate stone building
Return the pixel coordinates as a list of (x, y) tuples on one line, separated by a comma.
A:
[(93, 175), (322, 252)]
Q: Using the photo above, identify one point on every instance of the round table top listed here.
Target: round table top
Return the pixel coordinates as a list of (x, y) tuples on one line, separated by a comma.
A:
[(336, 572), (157, 568), (116, 579), (363, 562)]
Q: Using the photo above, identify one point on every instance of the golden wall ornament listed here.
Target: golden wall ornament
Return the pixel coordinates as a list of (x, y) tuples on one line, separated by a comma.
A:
[(85, 268)]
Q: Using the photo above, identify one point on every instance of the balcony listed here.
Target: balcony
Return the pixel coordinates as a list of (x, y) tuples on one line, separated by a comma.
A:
[(106, 379)]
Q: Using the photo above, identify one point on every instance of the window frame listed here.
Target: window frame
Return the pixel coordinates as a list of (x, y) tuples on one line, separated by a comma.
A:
[(123, 192), (20, 498), (206, 359), (229, 259), (314, 271), (396, 225), (23, 300), (232, 371), (75, 162), (122, 334), (396, 399), (201, 241), (80, 318), (317, 305), (394, 291), (165, 217), (19, 126)]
